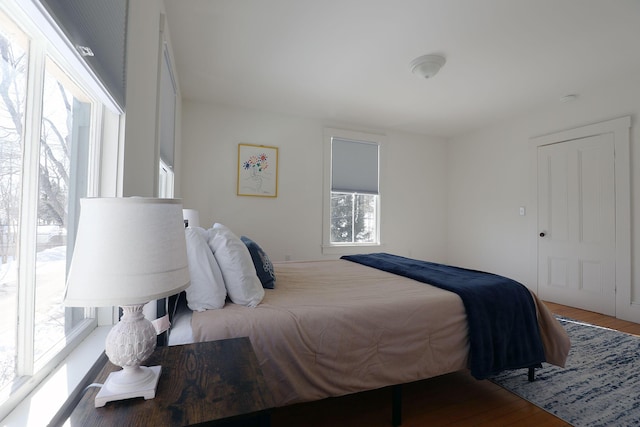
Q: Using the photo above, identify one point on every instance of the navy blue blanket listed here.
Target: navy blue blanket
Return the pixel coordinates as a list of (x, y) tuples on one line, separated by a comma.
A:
[(503, 327)]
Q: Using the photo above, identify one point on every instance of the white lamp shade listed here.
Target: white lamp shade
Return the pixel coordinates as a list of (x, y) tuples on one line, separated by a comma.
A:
[(192, 217), (127, 251)]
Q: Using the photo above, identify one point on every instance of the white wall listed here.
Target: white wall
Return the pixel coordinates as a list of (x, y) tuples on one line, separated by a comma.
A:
[(412, 183), (490, 175), (453, 201)]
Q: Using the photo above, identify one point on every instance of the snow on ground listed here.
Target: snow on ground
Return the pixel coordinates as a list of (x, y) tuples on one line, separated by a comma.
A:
[(50, 328)]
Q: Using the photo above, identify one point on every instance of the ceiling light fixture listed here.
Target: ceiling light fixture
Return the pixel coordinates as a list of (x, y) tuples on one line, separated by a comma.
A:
[(427, 66)]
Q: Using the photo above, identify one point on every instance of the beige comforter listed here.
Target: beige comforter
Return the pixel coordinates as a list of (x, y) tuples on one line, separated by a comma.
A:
[(336, 327)]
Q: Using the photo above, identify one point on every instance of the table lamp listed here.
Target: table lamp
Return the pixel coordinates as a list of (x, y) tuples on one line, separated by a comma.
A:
[(128, 251)]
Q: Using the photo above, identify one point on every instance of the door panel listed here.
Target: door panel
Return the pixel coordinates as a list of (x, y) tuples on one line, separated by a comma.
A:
[(576, 202)]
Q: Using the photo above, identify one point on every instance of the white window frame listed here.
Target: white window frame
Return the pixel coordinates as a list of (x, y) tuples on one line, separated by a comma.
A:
[(46, 39), (329, 248), (166, 126), (166, 180)]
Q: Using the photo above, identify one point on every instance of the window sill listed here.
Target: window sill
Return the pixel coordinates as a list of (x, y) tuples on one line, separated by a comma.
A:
[(45, 401), (351, 249)]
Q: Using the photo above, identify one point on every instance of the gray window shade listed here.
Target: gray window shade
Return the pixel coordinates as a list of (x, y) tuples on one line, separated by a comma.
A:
[(354, 166), (102, 26)]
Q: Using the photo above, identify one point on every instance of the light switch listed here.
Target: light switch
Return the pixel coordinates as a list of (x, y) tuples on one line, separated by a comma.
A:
[(523, 211)]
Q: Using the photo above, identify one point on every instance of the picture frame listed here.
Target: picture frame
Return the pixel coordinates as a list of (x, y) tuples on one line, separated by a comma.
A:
[(257, 171)]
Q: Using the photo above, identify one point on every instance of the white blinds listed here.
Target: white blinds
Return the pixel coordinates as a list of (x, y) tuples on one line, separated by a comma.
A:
[(354, 166)]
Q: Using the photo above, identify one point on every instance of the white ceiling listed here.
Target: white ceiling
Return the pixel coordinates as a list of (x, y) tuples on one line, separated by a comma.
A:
[(347, 61)]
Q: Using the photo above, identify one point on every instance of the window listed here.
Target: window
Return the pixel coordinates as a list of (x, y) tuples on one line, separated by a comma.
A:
[(167, 128), (64, 143), (353, 218), (165, 181), (49, 135), (352, 187)]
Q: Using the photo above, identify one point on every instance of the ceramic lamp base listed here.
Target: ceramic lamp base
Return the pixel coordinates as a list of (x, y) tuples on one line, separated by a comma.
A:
[(118, 388)]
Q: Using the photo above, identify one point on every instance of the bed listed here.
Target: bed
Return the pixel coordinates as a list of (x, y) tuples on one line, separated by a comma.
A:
[(335, 327)]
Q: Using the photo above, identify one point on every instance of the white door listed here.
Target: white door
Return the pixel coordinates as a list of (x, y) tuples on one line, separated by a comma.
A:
[(576, 223)]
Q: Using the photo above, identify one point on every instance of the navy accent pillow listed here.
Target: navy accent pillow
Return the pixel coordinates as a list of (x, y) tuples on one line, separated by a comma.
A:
[(264, 267)]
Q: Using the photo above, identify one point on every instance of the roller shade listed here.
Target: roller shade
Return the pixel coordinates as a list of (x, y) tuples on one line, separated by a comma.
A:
[(354, 166), (100, 25)]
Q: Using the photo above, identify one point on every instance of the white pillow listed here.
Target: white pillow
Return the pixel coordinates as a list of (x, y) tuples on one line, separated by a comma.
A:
[(238, 271), (206, 290)]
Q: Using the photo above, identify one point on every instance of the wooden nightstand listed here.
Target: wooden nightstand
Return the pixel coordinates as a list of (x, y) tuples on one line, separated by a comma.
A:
[(216, 383)]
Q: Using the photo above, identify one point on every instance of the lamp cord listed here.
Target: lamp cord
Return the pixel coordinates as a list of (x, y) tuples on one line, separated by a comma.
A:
[(92, 385)]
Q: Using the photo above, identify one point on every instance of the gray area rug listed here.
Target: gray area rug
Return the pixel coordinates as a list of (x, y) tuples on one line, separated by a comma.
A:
[(600, 385)]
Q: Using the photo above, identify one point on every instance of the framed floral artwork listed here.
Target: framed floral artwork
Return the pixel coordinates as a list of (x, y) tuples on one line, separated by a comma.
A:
[(257, 170)]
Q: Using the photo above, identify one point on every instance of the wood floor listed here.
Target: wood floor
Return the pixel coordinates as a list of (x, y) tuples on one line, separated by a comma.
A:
[(450, 400)]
